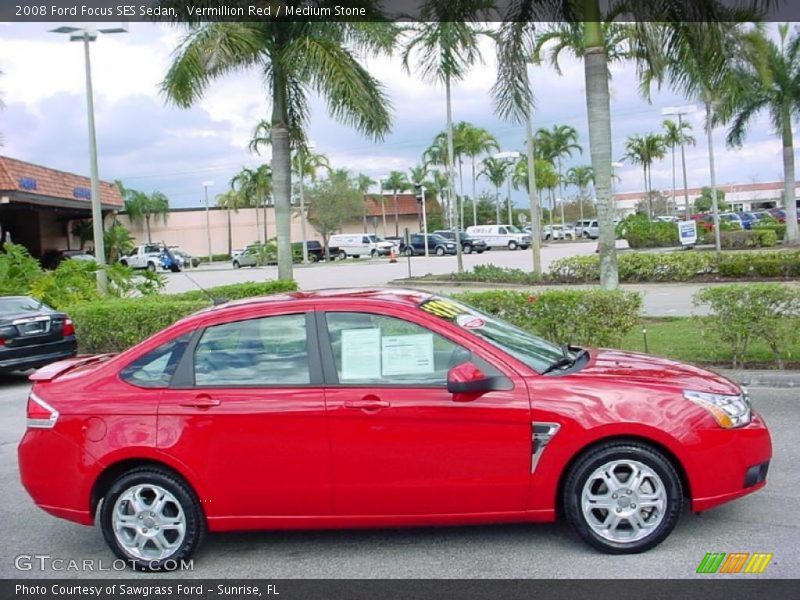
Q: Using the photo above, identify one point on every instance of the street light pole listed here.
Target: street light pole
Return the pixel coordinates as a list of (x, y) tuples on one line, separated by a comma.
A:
[(424, 220), (86, 35), (206, 185), (680, 111), (302, 165)]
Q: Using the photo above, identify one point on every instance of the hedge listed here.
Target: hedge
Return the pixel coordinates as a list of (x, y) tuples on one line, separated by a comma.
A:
[(582, 317), (114, 325), (679, 266), (746, 312)]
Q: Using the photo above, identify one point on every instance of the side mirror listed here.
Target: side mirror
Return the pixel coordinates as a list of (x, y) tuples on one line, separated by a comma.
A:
[(467, 382)]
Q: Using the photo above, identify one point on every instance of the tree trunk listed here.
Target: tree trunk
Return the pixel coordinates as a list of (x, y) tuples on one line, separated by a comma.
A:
[(383, 213), (536, 237), (461, 190), (599, 116), (648, 171), (230, 234), (580, 202), (474, 197), (687, 216), (396, 214), (673, 207), (147, 223), (497, 204), (450, 171), (789, 184), (714, 202), (281, 173), (561, 189), (266, 212)]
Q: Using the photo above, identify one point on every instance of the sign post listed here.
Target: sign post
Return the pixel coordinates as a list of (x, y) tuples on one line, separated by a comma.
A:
[(687, 232)]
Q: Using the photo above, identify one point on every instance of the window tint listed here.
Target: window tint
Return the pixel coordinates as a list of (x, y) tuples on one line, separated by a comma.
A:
[(268, 351), (373, 349), (502, 230), (155, 369)]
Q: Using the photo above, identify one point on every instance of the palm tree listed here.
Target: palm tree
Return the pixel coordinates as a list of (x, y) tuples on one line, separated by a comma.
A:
[(768, 79), (396, 182), (436, 155), (676, 20), (306, 163), (495, 171), (546, 179), (142, 207), (230, 201), (363, 183), (444, 46), (118, 241), (644, 151), (554, 145), (581, 177), (675, 135), (293, 58), (476, 141), (254, 186), (83, 230)]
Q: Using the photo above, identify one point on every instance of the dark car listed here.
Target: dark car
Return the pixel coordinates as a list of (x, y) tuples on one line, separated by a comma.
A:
[(469, 244), (32, 334), (316, 252), (436, 245)]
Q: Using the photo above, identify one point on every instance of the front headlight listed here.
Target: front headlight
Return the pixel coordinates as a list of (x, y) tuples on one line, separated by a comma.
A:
[(728, 411)]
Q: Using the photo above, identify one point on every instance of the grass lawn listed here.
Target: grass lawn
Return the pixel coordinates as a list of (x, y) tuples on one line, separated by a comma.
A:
[(685, 339)]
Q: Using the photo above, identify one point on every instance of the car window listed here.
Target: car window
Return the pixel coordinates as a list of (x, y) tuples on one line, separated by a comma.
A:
[(502, 230), (371, 349), (155, 369), (255, 352)]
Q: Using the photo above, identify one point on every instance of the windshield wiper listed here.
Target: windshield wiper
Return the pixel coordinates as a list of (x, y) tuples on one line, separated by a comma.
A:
[(566, 360)]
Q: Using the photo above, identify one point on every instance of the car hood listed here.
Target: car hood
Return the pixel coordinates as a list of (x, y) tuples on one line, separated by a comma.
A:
[(645, 369)]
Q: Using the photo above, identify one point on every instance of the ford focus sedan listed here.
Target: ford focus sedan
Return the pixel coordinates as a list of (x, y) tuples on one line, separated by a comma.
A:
[(378, 408)]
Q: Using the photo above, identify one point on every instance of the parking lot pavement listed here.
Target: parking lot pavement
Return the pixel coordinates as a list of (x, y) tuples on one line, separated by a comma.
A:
[(762, 522)]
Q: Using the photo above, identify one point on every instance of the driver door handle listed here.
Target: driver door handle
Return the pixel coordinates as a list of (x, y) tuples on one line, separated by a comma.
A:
[(202, 401), (368, 404)]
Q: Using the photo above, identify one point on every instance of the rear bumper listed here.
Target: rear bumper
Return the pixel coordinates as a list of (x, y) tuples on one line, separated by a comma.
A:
[(33, 357)]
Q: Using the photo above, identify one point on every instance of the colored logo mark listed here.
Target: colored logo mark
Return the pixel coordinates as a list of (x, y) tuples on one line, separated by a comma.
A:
[(734, 562)]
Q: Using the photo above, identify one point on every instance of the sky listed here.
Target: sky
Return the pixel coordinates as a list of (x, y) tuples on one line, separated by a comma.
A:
[(152, 145)]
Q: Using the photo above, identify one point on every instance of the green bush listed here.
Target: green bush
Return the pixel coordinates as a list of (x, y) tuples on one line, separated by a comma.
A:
[(115, 325), (736, 239), (742, 313), (583, 317), (771, 225), (575, 269), (765, 238), (729, 226), (237, 291), (214, 257), (641, 232)]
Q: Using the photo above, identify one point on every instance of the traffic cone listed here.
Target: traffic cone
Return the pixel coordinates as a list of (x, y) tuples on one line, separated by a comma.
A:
[(392, 255)]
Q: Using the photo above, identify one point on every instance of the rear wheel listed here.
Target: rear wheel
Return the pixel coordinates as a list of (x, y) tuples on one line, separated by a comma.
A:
[(467, 249), (151, 518), (342, 254), (374, 254), (408, 252), (439, 251), (623, 498), (236, 264), (512, 245), (151, 266), (124, 263)]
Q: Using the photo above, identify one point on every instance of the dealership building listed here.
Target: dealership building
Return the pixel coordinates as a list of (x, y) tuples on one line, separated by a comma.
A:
[(39, 205)]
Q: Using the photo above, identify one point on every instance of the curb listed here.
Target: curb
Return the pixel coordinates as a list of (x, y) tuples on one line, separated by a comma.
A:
[(763, 378)]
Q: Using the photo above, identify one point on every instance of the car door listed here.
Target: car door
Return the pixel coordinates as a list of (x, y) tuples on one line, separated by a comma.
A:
[(400, 443), (245, 411)]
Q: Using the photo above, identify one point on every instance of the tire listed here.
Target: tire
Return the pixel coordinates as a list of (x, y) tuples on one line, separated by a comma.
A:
[(467, 249), (236, 265), (374, 254), (342, 254), (180, 505), (313, 258), (124, 263), (512, 245), (408, 252), (585, 235), (151, 267), (589, 477)]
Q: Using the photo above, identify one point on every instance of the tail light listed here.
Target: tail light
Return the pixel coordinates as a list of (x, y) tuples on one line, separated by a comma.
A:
[(69, 328), (40, 414)]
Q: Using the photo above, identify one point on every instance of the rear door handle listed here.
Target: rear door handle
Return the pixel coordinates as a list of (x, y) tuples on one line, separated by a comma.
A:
[(203, 401), (369, 404)]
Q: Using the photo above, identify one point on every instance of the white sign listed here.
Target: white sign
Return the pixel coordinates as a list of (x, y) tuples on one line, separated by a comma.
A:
[(687, 231), (361, 354), (407, 354)]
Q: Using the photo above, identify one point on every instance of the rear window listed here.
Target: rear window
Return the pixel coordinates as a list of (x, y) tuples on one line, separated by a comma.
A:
[(18, 304)]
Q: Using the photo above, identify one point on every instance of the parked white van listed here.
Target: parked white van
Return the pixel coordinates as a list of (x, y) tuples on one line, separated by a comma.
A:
[(501, 236), (343, 245)]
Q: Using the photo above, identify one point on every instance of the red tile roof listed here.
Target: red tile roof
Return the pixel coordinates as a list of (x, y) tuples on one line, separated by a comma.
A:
[(27, 178), (406, 204)]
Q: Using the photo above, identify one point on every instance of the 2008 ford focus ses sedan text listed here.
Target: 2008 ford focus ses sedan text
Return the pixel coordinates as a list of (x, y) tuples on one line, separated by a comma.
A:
[(360, 408)]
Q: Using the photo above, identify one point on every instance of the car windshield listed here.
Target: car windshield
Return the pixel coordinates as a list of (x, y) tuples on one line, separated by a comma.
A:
[(537, 353), (437, 238), (513, 229), (13, 305)]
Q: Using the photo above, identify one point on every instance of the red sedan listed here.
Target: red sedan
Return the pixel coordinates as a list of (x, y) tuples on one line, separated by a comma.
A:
[(378, 408)]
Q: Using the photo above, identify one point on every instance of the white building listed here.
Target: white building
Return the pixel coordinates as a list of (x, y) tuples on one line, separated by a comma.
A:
[(740, 196)]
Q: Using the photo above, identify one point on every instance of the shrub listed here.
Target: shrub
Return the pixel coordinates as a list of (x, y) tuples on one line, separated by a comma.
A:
[(18, 270), (765, 238), (237, 291), (737, 239), (641, 232), (114, 325), (771, 225), (575, 269), (585, 317), (741, 313), (215, 258), (635, 267), (494, 274)]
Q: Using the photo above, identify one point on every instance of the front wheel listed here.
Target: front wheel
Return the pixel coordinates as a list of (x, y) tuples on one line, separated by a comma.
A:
[(342, 254), (512, 245), (623, 498), (408, 252), (439, 251), (236, 264), (374, 254), (151, 267), (467, 249), (152, 519)]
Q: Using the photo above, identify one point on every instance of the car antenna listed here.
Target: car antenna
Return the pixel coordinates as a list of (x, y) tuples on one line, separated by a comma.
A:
[(216, 301)]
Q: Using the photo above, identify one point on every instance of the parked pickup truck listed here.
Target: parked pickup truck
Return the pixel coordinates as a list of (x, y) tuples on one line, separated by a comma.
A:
[(151, 257)]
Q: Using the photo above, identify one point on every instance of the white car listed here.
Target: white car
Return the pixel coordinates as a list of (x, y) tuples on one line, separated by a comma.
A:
[(587, 229), (558, 232), (343, 245), (501, 236)]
